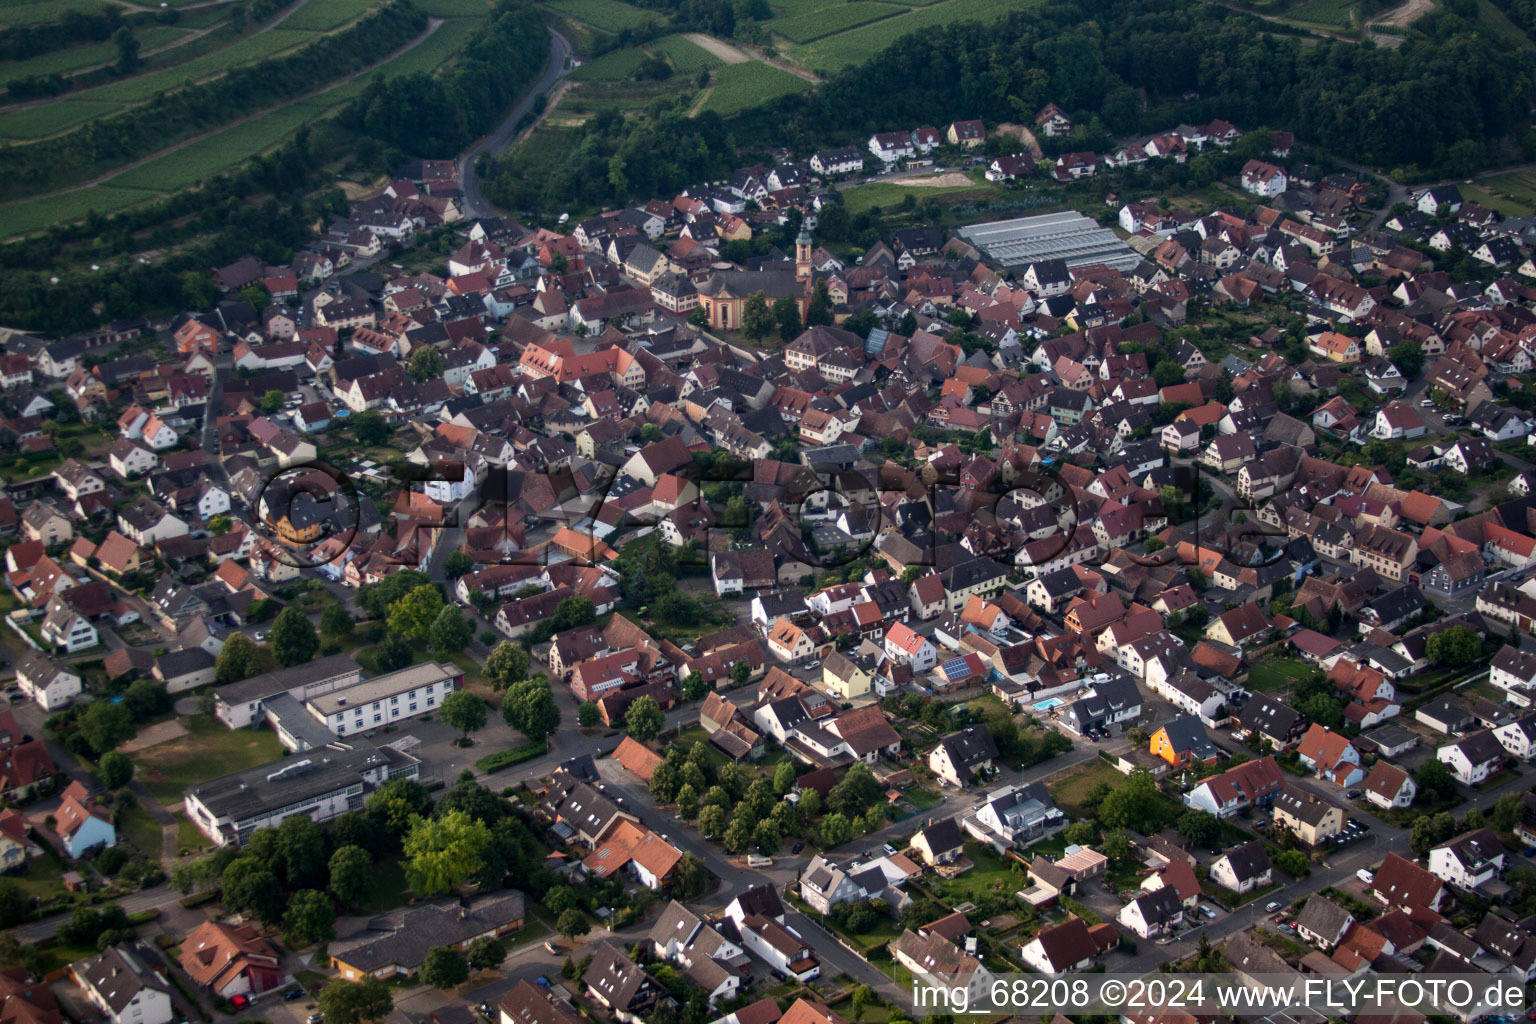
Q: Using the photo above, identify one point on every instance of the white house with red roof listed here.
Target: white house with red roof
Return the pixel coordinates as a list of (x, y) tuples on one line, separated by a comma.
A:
[(905, 645)]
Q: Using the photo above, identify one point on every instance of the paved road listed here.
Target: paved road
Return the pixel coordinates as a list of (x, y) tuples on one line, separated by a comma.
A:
[(469, 170)]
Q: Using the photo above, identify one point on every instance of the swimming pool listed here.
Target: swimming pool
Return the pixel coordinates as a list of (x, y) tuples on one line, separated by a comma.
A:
[(1047, 704)]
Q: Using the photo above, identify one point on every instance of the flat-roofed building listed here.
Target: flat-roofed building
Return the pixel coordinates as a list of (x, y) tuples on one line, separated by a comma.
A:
[(374, 703), (321, 783)]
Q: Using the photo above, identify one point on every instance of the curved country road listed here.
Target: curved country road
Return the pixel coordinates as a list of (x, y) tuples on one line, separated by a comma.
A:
[(469, 171)]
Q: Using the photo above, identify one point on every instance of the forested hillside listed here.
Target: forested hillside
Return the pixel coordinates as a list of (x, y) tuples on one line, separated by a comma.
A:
[(1445, 103)]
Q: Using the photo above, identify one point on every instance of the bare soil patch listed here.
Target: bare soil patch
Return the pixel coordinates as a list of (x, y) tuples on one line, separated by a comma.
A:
[(724, 51), (950, 179), (154, 735)]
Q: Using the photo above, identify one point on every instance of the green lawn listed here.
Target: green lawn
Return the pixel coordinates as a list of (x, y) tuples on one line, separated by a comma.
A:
[(207, 751), (142, 831), (43, 877), (990, 872), (188, 836), (888, 196), (1270, 676), (1336, 14), (1070, 788)]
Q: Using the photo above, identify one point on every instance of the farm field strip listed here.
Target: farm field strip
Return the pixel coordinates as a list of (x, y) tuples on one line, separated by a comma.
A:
[(64, 207), (37, 122), (738, 86), (207, 157), (686, 54), (608, 15), (76, 57), (613, 66), (329, 14), (29, 12), (853, 46), (812, 25), (1334, 13)]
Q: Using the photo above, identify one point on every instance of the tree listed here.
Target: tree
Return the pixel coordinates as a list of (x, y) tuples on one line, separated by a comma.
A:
[(1429, 831), (1117, 845), (740, 673), (711, 820), (15, 907), (271, 401), (444, 967), (586, 714), (819, 312), (485, 953), (857, 790), (572, 923), (457, 564), (105, 725), (450, 633), (309, 918), (768, 837), (444, 851), (862, 997), (115, 769), (426, 363), (786, 313), (336, 621), (1199, 827), (370, 428), (835, 830), (127, 45), (1454, 647), (507, 664), (1292, 862), (1167, 373), (1081, 833), (1434, 778), (664, 782), (644, 719), (1322, 709), (351, 875), (687, 802), (248, 887), (783, 777), (694, 687), (412, 616), (530, 708), (756, 320), (220, 525), (293, 638), (739, 836), (463, 711), (355, 1002), (393, 653), (239, 659)]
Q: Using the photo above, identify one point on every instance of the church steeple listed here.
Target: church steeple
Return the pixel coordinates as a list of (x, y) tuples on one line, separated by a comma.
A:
[(803, 254)]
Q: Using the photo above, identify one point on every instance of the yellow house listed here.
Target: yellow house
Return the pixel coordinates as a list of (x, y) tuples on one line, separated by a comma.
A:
[(845, 677), (1310, 819)]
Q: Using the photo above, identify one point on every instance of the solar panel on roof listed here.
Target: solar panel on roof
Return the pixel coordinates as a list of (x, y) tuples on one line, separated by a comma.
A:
[(955, 667)]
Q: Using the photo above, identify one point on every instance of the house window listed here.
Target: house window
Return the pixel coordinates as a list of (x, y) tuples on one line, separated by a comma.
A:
[(394, 700), (413, 706)]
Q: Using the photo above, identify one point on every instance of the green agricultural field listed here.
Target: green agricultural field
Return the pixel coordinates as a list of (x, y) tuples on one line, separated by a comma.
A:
[(207, 157), (455, 8), (49, 118), (614, 66), (322, 17), (888, 196), (811, 25), (739, 86), (1497, 23), (29, 12), (64, 62), (686, 55), (1518, 185), (610, 15), (835, 52), (30, 215), (1333, 13)]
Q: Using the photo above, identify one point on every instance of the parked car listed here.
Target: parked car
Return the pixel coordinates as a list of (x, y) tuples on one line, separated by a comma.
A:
[(552, 949), (1365, 876), (314, 1018), (1208, 912), (240, 1002), (797, 847), (1271, 906), (541, 980), (292, 994), (1353, 794), (890, 851)]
